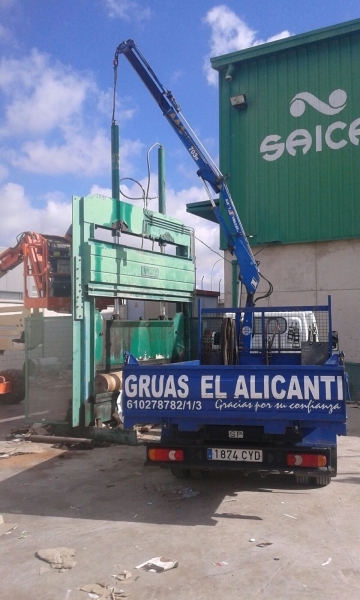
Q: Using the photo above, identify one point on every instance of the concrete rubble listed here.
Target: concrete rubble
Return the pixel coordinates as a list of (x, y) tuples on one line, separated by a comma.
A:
[(58, 558)]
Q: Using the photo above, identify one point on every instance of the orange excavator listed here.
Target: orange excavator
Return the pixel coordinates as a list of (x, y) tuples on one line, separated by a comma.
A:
[(47, 284), (47, 277)]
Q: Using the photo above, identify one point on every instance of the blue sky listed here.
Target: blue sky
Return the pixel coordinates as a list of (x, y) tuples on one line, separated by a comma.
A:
[(56, 80)]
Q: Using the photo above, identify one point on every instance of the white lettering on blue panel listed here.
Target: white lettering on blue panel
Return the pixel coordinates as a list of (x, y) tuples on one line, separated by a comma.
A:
[(249, 392)]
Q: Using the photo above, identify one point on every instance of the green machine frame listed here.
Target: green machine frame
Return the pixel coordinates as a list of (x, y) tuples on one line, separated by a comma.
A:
[(102, 269)]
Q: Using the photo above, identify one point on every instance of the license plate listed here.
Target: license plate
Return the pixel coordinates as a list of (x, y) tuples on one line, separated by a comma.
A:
[(239, 455)]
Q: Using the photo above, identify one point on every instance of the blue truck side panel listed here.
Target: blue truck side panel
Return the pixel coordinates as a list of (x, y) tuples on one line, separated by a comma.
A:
[(191, 395)]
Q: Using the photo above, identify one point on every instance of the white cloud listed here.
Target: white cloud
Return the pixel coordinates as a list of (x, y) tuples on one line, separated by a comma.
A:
[(52, 118), (127, 10), (176, 75), (229, 33), (96, 189), (5, 4), (43, 94), (79, 155), (129, 149), (3, 172), (205, 231), (20, 215), (123, 112), (184, 171), (6, 35)]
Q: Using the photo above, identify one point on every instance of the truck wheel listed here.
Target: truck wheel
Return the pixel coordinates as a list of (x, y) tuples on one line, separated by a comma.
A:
[(199, 473), (322, 480), (302, 479), (180, 473), (17, 380)]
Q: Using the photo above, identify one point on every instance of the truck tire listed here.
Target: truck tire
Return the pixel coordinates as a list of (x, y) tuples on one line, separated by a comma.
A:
[(18, 386), (302, 479), (322, 480), (199, 473), (180, 473)]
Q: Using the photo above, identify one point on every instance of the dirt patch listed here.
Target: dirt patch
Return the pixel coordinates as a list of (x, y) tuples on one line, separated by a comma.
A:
[(24, 461)]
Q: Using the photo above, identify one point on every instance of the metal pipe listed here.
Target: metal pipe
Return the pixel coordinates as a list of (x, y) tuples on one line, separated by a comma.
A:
[(161, 180), (239, 295), (229, 72), (57, 439), (211, 278)]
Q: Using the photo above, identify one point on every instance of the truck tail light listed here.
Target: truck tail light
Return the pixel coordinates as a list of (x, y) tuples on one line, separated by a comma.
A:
[(5, 386), (306, 460), (165, 455)]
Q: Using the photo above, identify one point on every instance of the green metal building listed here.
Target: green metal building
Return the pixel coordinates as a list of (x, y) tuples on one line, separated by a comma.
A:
[(291, 146), (289, 138)]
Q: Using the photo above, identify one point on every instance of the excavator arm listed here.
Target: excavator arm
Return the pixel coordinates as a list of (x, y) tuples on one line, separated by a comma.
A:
[(46, 262), (12, 257)]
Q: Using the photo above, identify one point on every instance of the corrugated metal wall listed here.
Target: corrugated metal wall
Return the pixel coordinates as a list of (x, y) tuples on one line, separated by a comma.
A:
[(304, 184)]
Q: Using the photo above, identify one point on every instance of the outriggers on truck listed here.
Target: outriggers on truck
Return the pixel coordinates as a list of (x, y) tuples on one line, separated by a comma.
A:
[(267, 392)]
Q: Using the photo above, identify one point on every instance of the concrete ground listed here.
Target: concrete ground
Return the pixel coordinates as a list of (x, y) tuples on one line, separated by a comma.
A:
[(117, 514)]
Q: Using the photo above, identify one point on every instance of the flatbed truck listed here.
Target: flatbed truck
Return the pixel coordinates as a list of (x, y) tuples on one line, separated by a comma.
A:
[(270, 395)]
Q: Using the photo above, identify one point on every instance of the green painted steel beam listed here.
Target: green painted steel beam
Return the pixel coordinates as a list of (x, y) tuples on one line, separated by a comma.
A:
[(203, 209), (129, 270), (110, 291), (103, 212)]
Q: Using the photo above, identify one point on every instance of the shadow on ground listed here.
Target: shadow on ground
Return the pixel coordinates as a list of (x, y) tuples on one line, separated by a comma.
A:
[(111, 484)]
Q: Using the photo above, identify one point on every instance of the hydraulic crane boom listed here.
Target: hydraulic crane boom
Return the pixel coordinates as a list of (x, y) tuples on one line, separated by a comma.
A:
[(207, 170)]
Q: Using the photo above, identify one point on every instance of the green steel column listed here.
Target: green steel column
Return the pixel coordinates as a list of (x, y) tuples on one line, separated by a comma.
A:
[(161, 180), (115, 185), (115, 171), (77, 308), (162, 206), (234, 282)]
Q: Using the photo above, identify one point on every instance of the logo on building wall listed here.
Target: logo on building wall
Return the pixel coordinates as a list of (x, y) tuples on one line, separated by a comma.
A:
[(337, 135), (337, 102), (149, 271)]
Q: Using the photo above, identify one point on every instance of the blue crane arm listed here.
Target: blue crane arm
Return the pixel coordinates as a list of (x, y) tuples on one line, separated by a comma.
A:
[(207, 170)]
